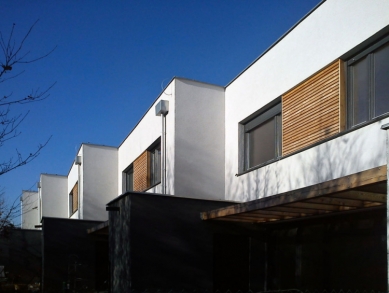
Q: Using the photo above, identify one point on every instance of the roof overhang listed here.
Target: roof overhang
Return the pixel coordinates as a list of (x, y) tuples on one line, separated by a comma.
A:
[(366, 189)]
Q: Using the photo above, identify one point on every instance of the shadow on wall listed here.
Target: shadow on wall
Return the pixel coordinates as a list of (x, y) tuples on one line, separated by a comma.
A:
[(351, 153)]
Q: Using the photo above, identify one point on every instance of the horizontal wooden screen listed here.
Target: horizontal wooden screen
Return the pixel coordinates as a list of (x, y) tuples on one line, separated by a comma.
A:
[(74, 195), (142, 172), (314, 110)]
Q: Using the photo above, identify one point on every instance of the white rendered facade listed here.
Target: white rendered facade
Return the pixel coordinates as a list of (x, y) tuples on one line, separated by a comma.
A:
[(329, 33), (29, 209), (203, 139), (194, 132), (96, 179), (51, 191)]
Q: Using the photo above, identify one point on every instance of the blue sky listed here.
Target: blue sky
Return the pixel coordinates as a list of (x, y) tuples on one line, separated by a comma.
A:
[(114, 57)]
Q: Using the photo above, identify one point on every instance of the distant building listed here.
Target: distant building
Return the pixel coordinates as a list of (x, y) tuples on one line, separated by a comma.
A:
[(29, 209)]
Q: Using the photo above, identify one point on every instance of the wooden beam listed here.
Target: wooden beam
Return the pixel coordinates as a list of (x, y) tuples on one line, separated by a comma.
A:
[(363, 178), (337, 201), (362, 195)]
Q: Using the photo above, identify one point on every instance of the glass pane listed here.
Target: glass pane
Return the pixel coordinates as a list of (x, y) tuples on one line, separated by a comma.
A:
[(262, 143), (155, 166), (130, 180), (381, 80), (360, 91)]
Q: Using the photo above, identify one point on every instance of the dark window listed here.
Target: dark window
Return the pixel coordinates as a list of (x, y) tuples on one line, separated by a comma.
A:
[(262, 137), (368, 83), (155, 164), (129, 178)]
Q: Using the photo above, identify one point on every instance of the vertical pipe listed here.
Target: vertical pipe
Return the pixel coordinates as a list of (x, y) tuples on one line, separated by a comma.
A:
[(79, 193), (163, 154), (386, 128), (21, 212)]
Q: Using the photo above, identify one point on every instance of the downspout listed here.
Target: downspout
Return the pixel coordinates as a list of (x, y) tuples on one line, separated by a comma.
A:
[(38, 186), (21, 212), (162, 109), (77, 161), (386, 127)]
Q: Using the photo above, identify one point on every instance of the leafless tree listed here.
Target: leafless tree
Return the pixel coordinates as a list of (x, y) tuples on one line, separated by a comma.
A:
[(13, 58), (8, 212)]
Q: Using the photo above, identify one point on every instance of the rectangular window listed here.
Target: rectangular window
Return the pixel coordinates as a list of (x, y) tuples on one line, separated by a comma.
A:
[(368, 86), (262, 137), (73, 199), (128, 177), (155, 164)]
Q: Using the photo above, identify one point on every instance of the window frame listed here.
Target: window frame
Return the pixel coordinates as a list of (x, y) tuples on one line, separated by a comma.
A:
[(269, 112), (369, 54), (126, 176), (155, 163)]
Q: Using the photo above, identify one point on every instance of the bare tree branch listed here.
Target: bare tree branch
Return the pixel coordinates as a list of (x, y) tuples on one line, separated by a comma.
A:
[(13, 55)]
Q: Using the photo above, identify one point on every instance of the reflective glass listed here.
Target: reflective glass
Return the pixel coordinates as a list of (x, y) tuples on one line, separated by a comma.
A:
[(360, 90), (381, 80), (262, 143)]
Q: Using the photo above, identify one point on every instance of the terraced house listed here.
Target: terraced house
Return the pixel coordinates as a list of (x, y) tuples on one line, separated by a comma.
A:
[(277, 180)]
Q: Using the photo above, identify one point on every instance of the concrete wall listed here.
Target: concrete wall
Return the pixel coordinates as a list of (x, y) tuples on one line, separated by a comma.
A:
[(53, 191), (29, 209), (100, 180), (199, 140), (147, 131), (332, 30)]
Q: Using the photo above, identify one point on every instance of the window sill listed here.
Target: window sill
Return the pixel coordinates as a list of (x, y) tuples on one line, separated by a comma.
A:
[(351, 129)]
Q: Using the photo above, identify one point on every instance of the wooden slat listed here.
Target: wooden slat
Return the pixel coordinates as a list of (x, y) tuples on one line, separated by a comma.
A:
[(365, 196), (310, 111), (335, 187), (325, 71), (337, 201)]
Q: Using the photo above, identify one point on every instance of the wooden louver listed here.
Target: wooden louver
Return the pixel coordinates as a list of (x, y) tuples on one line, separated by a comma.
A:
[(314, 110), (142, 172), (74, 194)]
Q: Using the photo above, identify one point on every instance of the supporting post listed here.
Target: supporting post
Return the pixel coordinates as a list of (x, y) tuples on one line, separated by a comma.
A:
[(386, 127)]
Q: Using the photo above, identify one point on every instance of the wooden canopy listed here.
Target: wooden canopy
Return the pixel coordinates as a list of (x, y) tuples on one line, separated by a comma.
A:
[(365, 189)]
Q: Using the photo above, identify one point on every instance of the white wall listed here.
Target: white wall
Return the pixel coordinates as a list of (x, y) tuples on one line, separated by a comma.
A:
[(144, 134), (29, 209), (199, 140), (100, 181), (330, 31), (53, 192), (72, 180)]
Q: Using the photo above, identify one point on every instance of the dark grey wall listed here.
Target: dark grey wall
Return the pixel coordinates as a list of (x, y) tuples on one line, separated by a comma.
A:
[(20, 254), (70, 255), (160, 242)]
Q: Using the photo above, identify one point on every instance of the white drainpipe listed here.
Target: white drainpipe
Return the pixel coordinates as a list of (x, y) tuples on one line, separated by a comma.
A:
[(161, 109)]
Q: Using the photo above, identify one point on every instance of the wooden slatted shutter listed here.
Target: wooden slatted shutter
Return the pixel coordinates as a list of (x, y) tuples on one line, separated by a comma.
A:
[(314, 110), (75, 198), (142, 172)]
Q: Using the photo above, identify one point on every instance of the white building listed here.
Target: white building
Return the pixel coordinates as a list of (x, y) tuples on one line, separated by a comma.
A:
[(29, 209), (194, 144), (91, 182), (309, 82), (51, 191)]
